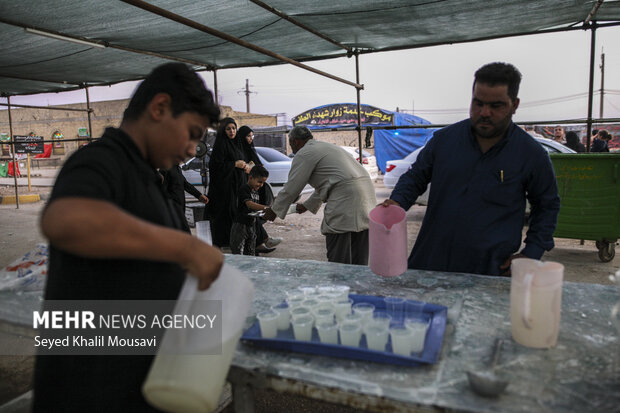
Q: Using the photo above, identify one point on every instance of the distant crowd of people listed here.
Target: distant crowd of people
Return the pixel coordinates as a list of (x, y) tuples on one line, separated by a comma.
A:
[(599, 140)]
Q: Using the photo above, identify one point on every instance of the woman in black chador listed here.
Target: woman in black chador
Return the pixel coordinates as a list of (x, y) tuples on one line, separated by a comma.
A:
[(227, 174)]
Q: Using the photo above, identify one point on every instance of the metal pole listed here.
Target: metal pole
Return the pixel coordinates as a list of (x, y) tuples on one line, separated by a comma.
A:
[(90, 126), (600, 115), (591, 84), (8, 99), (217, 99), (359, 106)]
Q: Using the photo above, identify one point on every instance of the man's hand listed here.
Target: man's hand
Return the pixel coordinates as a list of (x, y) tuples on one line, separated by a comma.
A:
[(205, 263), (203, 198), (389, 202), (506, 265), (300, 208), (269, 214)]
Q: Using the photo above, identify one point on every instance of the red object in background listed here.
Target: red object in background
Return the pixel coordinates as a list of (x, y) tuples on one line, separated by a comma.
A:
[(390, 167), (47, 151), (11, 169)]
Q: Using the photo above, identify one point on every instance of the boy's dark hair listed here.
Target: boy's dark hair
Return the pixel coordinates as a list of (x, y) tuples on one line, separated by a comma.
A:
[(604, 135), (186, 89), (259, 171), (497, 73)]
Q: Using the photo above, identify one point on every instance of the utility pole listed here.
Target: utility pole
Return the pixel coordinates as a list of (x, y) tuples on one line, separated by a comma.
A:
[(602, 84), (246, 92)]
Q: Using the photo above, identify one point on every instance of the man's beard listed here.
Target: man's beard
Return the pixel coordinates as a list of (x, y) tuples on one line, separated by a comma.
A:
[(491, 130)]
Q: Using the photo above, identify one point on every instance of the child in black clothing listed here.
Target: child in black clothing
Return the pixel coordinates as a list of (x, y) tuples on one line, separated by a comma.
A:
[(242, 232)]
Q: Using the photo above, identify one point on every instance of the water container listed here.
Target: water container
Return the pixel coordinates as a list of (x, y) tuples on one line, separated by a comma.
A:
[(535, 302), (203, 231), (387, 235), (183, 380)]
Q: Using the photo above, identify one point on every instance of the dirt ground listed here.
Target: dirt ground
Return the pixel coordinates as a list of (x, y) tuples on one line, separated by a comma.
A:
[(302, 240)]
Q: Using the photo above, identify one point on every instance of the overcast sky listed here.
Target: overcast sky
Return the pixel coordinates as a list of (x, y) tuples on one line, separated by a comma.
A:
[(435, 82)]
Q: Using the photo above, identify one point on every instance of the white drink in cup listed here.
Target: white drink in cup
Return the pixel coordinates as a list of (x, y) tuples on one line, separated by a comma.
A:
[(365, 310), (302, 327), (284, 316), (328, 331), (323, 313), (376, 335), (350, 333), (402, 340), (268, 321), (418, 328)]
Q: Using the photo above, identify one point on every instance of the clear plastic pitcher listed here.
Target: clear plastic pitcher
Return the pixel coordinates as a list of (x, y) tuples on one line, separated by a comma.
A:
[(186, 376), (535, 302), (387, 233)]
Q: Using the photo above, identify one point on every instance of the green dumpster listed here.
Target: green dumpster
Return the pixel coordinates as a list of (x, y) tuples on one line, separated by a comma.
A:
[(589, 188)]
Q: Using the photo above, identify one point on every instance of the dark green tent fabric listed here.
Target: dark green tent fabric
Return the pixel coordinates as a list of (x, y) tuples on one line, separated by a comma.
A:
[(32, 63)]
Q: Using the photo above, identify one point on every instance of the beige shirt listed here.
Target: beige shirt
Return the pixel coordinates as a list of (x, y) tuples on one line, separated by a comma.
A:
[(338, 180)]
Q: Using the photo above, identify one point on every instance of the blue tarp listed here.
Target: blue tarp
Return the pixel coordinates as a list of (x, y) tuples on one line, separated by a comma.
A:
[(389, 144), (398, 143)]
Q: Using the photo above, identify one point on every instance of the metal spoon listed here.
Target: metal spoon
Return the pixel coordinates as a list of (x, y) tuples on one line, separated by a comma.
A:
[(486, 383)]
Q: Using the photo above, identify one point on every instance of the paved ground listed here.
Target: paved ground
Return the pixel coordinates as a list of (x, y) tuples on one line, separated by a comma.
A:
[(302, 240)]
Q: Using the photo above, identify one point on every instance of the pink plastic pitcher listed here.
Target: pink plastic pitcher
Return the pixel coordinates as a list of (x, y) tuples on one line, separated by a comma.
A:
[(387, 235)]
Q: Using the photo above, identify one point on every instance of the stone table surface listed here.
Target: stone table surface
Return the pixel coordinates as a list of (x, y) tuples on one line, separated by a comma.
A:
[(580, 374)]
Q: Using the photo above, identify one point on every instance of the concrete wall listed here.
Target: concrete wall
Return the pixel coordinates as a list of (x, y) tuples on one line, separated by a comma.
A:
[(44, 122)]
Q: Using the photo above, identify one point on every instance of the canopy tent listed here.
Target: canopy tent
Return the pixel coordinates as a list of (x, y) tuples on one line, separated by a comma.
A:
[(123, 40), (398, 143)]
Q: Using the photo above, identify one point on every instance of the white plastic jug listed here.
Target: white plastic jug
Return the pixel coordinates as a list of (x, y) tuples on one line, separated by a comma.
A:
[(535, 302), (387, 243), (193, 383)]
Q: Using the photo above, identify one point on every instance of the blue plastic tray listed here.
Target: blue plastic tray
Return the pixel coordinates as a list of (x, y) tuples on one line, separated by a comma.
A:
[(432, 344)]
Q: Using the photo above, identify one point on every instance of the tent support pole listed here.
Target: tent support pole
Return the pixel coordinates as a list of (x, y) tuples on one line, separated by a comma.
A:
[(591, 84), (90, 126), (8, 100), (359, 105), (217, 100)]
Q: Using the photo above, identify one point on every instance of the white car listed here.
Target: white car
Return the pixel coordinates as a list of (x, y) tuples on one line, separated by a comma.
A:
[(369, 162), (275, 162), (395, 168)]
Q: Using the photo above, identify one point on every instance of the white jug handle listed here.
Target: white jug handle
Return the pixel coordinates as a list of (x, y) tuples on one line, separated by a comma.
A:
[(527, 298)]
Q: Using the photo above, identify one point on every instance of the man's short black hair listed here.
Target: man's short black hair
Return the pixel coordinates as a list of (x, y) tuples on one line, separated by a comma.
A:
[(259, 171), (301, 133), (498, 73), (186, 89), (604, 135), (594, 132)]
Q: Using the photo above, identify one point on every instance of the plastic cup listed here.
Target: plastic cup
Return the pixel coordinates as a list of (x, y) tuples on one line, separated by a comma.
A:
[(402, 339), (323, 313), (268, 321), (325, 288), (307, 289), (395, 307), (328, 332), (418, 328), (376, 335), (300, 312), (381, 317), (342, 307), (325, 299), (284, 316), (293, 294), (355, 318), (342, 290), (295, 301), (414, 309), (364, 309), (302, 327), (350, 333), (310, 303)]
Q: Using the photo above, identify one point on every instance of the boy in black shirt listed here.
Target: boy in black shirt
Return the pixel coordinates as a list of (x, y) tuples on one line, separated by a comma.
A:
[(242, 232)]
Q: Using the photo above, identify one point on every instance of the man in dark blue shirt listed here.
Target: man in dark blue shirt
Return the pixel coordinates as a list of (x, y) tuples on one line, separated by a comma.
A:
[(482, 169)]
